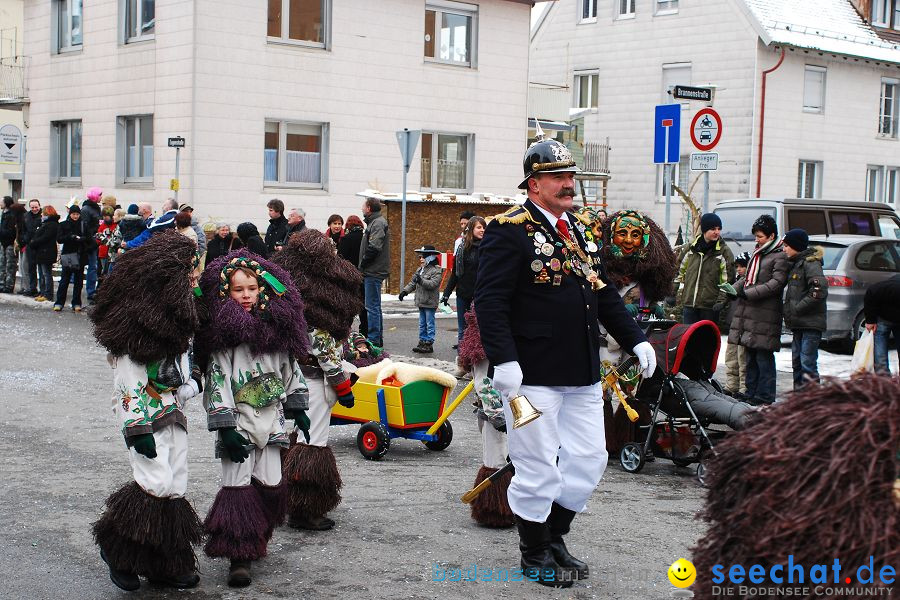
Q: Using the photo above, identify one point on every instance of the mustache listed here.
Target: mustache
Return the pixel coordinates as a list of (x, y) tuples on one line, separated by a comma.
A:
[(566, 191)]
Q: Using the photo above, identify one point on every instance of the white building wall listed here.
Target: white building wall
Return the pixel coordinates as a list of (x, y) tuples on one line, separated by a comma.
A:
[(219, 91), (629, 54), (12, 44), (844, 136)]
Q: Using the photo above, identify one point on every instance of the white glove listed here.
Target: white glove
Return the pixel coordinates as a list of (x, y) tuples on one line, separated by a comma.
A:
[(645, 353), (186, 391), (508, 379)]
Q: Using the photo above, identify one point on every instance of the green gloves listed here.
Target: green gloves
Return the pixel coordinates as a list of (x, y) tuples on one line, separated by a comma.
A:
[(144, 444), (302, 422), (235, 444), (632, 309), (658, 311)]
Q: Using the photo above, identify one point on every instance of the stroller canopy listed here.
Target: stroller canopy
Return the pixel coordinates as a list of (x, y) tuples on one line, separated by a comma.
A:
[(690, 349)]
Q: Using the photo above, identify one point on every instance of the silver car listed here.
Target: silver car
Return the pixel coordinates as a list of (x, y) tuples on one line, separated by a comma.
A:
[(851, 264)]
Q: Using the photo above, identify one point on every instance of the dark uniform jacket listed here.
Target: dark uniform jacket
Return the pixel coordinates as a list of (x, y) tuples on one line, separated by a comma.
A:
[(533, 308)]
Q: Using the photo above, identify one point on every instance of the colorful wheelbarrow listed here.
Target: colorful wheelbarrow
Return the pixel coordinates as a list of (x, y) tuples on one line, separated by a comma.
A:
[(417, 410)]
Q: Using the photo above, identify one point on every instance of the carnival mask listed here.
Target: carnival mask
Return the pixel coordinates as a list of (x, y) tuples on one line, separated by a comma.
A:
[(629, 235)]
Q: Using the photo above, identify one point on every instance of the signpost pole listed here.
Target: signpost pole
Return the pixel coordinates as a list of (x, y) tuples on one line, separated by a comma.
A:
[(668, 187), (24, 158), (705, 192), (403, 213), (177, 168)]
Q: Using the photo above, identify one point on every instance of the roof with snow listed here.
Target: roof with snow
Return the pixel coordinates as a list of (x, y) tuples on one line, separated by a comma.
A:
[(826, 25)]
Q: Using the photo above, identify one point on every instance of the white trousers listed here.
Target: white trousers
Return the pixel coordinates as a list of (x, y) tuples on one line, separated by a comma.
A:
[(263, 465), (571, 428), (166, 475), (493, 445), (322, 398)]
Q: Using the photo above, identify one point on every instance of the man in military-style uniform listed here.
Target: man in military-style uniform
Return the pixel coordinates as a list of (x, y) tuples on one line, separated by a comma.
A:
[(540, 297)]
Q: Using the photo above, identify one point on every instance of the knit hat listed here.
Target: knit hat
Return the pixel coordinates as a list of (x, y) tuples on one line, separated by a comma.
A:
[(74, 209), (710, 221), (797, 239), (742, 259), (765, 224), (132, 209)]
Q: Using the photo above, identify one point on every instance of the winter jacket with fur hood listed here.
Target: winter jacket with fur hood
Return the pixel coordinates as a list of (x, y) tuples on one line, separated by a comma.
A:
[(807, 288)]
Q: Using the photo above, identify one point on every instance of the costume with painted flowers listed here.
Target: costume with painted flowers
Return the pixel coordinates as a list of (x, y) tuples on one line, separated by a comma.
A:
[(253, 383)]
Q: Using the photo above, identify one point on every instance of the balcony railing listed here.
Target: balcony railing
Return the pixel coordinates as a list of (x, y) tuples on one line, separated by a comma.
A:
[(12, 81), (596, 158)]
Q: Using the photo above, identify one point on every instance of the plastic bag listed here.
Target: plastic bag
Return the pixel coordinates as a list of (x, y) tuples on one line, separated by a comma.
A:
[(864, 354)]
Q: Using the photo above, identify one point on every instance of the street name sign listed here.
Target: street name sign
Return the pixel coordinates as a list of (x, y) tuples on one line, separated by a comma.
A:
[(704, 161), (176, 142), (686, 92)]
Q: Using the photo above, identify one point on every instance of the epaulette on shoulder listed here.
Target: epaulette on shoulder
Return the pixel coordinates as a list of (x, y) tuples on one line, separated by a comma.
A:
[(515, 215)]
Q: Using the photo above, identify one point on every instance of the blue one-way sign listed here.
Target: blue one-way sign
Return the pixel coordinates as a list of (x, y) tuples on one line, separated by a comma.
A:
[(666, 133)]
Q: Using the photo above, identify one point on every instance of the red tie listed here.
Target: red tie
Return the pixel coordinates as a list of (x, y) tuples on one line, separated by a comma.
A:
[(563, 229)]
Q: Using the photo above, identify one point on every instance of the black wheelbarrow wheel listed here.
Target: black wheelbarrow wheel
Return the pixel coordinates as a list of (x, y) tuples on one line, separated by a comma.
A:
[(631, 457), (373, 440), (444, 437)]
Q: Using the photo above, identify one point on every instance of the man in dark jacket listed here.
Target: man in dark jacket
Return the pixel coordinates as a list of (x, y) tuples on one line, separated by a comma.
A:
[(11, 220), (161, 223), (882, 309), (27, 260), (348, 249), (278, 225), (296, 224), (375, 264), (804, 304), (702, 268), (90, 219), (540, 297)]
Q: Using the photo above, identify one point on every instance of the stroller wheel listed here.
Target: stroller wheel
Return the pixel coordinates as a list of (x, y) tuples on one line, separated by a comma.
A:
[(631, 457)]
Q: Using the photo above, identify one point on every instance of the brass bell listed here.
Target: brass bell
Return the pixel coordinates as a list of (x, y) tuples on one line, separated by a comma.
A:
[(523, 412)]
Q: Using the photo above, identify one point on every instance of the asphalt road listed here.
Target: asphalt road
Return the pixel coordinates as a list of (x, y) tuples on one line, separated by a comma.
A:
[(400, 528)]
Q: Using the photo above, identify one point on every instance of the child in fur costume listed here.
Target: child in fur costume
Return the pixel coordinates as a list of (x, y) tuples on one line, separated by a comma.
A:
[(145, 316), (253, 383), (329, 285), (491, 507)]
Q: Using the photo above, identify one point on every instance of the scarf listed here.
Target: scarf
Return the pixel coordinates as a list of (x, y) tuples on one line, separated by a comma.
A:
[(753, 265)]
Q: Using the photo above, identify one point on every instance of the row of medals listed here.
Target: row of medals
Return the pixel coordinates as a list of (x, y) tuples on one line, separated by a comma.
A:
[(575, 260)]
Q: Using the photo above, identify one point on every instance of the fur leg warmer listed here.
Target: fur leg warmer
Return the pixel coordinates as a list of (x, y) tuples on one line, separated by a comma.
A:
[(491, 508), (313, 481), (237, 524), (274, 503), (142, 534)]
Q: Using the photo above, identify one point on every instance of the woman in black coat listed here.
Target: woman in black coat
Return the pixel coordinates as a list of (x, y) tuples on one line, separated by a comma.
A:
[(249, 235), (348, 249), (73, 258), (222, 243), (465, 267), (43, 243)]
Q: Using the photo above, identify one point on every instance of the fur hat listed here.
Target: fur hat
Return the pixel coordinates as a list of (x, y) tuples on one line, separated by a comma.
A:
[(328, 283), (797, 239), (145, 308), (766, 224), (653, 267), (275, 324)]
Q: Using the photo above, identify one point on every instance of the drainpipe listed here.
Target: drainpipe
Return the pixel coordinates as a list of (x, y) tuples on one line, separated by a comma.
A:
[(762, 122)]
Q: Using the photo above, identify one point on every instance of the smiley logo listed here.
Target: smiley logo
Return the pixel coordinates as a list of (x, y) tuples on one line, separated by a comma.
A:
[(682, 573)]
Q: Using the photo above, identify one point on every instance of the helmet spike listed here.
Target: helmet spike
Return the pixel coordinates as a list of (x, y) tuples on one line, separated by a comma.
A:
[(539, 133)]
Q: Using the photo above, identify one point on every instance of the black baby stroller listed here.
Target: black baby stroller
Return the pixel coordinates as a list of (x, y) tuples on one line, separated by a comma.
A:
[(683, 399)]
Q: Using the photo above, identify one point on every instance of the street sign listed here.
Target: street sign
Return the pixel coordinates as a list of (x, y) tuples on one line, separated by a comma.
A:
[(685, 92), (706, 129), (666, 133), (176, 142), (704, 161), (10, 145), (408, 140)]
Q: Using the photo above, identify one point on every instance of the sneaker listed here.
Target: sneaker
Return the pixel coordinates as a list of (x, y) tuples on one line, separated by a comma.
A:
[(57, 308), (40, 298)]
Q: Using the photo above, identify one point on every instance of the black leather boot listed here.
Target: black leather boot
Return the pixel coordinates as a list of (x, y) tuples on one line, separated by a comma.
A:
[(537, 560), (559, 521), (123, 579)]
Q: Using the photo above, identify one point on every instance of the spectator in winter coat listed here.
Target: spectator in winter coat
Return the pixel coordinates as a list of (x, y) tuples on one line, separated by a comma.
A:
[(735, 361), (222, 243), (465, 267), (11, 221), (104, 235), (882, 309), (463, 223), (166, 221), (43, 243), (73, 258), (27, 264), (804, 304), (703, 266), (195, 225), (757, 317), (375, 263), (278, 226), (249, 235), (335, 229), (90, 221), (348, 249), (426, 283), (183, 226)]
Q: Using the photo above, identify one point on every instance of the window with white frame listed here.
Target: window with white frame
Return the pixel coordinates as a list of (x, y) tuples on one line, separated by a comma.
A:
[(625, 8), (666, 7), (889, 107), (586, 92), (305, 22), (674, 74), (809, 179), (814, 89), (588, 10), (446, 161), (451, 32), (883, 184), (885, 13), (295, 154), (65, 152), (134, 144), (139, 19), (66, 20)]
